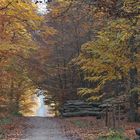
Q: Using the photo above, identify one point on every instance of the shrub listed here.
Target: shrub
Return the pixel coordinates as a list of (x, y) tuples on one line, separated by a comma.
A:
[(114, 135)]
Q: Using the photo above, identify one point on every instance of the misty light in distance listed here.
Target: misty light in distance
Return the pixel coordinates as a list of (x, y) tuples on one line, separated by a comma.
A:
[(42, 6)]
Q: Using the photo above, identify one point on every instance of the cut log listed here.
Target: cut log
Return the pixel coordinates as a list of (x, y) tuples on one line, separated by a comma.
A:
[(74, 108), (81, 113)]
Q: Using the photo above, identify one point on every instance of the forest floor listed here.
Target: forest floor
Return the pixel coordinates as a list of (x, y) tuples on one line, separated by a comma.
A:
[(33, 128), (76, 128), (90, 128)]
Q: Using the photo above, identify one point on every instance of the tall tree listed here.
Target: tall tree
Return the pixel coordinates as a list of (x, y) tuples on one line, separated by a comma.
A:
[(114, 56)]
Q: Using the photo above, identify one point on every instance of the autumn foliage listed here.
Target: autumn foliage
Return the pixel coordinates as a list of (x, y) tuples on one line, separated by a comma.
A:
[(18, 20)]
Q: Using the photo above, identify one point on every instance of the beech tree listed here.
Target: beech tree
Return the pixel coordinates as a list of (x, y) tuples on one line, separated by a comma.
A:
[(114, 56)]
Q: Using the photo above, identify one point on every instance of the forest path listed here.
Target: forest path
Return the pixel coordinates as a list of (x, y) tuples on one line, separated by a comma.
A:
[(44, 129)]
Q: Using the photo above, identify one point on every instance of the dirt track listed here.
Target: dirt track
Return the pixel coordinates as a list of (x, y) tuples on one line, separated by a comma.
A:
[(44, 129)]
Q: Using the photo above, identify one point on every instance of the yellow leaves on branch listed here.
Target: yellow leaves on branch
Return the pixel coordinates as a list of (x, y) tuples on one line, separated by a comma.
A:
[(108, 58), (132, 6), (18, 18)]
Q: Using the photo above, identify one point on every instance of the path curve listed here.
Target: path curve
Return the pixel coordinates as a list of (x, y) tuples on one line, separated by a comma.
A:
[(44, 129)]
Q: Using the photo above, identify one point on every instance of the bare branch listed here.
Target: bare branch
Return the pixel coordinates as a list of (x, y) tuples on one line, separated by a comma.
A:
[(3, 8)]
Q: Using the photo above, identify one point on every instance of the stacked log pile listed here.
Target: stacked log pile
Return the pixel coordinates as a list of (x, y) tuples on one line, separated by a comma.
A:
[(75, 108)]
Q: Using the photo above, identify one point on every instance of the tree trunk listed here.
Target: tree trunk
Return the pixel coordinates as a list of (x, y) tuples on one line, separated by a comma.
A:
[(133, 73)]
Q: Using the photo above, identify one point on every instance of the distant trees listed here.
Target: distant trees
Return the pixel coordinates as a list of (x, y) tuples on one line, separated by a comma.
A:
[(73, 27), (107, 64)]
